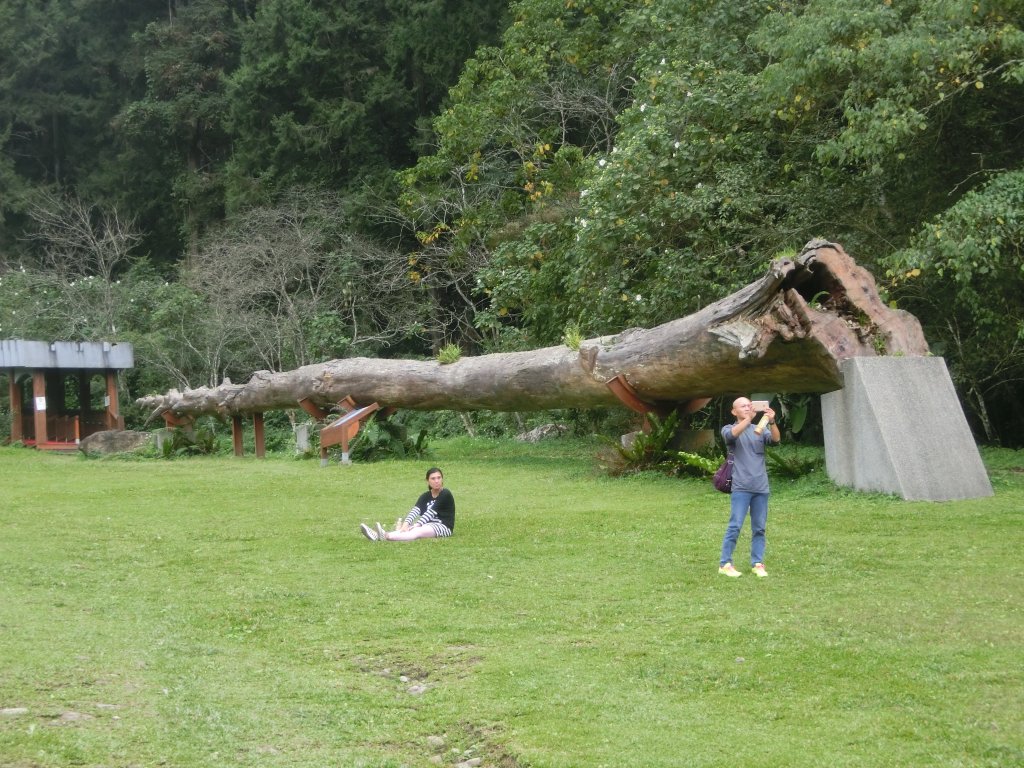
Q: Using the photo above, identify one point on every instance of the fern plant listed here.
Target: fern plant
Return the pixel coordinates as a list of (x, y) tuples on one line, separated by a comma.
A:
[(649, 449), (387, 439), (702, 466), (792, 462), (201, 440)]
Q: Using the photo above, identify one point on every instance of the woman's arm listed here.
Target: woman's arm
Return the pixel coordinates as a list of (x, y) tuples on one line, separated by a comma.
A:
[(410, 519), (415, 512), (427, 517)]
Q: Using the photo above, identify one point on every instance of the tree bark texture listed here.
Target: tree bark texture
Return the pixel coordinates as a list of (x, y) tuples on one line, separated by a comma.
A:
[(787, 332)]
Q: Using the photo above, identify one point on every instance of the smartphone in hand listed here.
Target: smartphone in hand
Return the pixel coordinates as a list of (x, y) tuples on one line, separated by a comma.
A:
[(759, 406)]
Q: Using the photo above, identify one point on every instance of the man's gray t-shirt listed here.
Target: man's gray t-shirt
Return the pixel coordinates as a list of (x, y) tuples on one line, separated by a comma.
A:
[(748, 470)]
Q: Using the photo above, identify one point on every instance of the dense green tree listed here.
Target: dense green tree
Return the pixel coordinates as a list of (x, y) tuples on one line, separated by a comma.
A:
[(25, 29), (510, 147), (174, 137), (126, 102), (606, 163), (330, 94), (910, 104), (749, 129), (746, 129), (426, 44), (310, 101), (61, 83), (963, 274), (840, 119)]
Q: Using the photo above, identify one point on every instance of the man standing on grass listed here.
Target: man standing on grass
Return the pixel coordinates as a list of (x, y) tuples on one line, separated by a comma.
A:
[(749, 482)]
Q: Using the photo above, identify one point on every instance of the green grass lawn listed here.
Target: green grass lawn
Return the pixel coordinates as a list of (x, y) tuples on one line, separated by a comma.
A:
[(226, 612)]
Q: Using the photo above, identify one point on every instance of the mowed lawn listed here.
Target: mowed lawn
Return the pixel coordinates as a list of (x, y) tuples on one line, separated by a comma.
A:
[(226, 612)]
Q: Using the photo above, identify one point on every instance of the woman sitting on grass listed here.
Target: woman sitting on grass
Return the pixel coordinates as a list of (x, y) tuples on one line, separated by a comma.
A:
[(433, 516)]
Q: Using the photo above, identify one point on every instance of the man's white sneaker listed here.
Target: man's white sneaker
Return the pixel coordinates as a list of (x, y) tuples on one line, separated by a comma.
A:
[(368, 532)]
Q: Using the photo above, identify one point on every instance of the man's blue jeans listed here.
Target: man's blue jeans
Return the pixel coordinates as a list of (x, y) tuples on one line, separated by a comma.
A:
[(757, 503)]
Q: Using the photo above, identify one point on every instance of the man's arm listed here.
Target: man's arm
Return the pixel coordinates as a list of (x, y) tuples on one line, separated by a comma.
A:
[(773, 427)]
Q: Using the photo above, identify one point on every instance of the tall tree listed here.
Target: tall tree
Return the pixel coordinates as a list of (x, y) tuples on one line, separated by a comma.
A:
[(26, 32), (505, 175), (426, 44), (330, 94), (176, 135), (963, 272), (295, 285), (747, 127), (62, 83)]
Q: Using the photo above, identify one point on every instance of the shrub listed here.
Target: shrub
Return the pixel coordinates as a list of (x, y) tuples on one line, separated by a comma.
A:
[(793, 462), (655, 450), (383, 439), (200, 440)]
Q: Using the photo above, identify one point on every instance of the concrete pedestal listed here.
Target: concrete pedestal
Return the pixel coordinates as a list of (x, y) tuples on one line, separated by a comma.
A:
[(897, 426)]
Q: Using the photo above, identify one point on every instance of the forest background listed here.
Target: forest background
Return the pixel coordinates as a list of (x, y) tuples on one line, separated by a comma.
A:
[(235, 185)]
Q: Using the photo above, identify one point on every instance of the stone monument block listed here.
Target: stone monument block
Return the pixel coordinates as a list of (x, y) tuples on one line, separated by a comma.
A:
[(115, 441), (897, 426)]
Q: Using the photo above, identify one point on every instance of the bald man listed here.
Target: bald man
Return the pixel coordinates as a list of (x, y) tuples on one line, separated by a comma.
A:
[(749, 484)]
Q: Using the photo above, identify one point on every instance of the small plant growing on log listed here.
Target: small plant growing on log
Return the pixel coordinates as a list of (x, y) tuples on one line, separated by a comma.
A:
[(818, 300), (449, 353), (573, 335)]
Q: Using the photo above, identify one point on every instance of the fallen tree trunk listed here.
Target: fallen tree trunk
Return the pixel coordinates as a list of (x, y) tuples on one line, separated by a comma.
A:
[(787, 332)]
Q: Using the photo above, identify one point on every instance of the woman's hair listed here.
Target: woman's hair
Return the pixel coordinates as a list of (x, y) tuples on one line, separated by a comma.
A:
[(432, 470)]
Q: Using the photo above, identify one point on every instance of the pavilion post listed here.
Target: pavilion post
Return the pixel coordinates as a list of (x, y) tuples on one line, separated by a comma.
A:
[(14, 395), (39, 406), (112, 416)]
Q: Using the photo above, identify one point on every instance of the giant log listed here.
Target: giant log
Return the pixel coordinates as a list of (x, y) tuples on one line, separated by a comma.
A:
[(787, 332)]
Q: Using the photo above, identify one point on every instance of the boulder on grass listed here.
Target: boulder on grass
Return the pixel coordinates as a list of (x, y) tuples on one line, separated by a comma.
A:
[(543, 432), (115, 441)]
